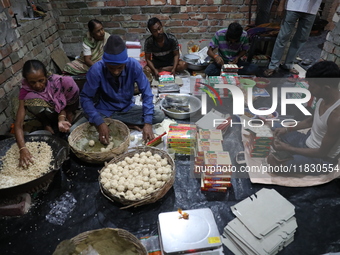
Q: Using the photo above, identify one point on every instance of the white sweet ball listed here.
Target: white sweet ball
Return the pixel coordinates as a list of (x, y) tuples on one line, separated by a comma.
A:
[(160, 170), (159, 177), (142, 161), (145, 178), (145, 171), (128, 193), (138, 196), (136, 190), (150, 190), (131, 197), (165, 177), (164, 162), (151, 167), (91, 143), (148, 153), (113, 191), (138, 183), (143, 192), (109, 175), (157, 157), (122, 180), (107, 185), (103, 180), (120, 188), (146, 185), (153, 180), (114, 184), (158, 184), (130, 186), (142, 154), (158, 164)]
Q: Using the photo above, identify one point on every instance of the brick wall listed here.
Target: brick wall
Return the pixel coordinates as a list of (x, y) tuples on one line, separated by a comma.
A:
[(32, 39), (187, 19), (331, 48)]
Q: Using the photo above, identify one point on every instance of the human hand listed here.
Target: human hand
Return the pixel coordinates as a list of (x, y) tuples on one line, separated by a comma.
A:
[(173, 71), (219, 60), (64, 126), (279, 131), (148, 133), (104, 133), (234, 61), (157, 74), (278, 145), (26, 158)]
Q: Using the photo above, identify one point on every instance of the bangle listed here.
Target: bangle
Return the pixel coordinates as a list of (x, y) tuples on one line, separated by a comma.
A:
[(61, 115), (24, 147), (216, 55)]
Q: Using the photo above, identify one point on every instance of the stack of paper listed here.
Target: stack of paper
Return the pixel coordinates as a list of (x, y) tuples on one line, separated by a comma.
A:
[(265, 224)]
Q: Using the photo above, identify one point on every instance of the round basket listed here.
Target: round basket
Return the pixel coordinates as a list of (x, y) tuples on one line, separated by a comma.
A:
[(150, 198), (105, 241), (80, 133)]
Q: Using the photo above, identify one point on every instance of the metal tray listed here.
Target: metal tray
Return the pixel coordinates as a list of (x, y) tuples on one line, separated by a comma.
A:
[(60, 152)]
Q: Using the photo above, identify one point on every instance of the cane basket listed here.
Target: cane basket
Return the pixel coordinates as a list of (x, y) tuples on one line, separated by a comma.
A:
[(105, 241), (79, 136), (147, 199)]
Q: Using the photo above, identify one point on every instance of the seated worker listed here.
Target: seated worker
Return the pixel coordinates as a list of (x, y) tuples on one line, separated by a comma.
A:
[(321, 145), (162, 50), (232, 44), (112, 80), (51, 99), (93, 44)]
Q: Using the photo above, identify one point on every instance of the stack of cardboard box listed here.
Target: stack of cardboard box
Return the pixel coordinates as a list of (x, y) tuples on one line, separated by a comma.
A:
[(212, 163), (182, 138)]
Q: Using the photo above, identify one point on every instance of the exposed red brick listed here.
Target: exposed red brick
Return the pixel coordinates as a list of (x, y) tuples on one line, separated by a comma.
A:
[(162, 16), (156, 2), (199, 29), (116, 3), (219, 16), (237, 15), (139, 17), (177, 2), (17, 66), (188, 23), (229, 8), (137, 2), (136, 30), (209, 8), (183, 16), (173, 23), (5, 75), (179, 30), (96, 4), (198, 16), (196, 2), (5, 51)]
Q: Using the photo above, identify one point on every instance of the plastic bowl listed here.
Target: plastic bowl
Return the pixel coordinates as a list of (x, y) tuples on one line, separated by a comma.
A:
[(262, 82), (271, 116), (247, 83)]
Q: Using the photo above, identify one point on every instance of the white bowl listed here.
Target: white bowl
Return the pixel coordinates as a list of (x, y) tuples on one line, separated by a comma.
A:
[(194, 104)]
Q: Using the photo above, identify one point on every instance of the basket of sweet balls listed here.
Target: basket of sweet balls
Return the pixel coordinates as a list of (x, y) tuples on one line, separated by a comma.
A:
[(140, 176), (85, 144)]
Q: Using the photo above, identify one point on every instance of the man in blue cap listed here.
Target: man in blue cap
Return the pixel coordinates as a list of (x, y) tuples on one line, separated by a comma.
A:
[(109, 90)]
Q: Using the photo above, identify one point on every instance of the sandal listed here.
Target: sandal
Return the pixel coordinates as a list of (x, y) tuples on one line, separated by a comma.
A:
[(293, 71), (269, 72)]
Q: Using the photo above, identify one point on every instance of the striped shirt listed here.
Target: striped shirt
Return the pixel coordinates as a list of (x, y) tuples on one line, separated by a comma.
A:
[(227, 50), (162, 56)]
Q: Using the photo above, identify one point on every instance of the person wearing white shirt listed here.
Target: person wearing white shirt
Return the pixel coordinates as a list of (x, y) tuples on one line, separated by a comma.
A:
[(303, 12)]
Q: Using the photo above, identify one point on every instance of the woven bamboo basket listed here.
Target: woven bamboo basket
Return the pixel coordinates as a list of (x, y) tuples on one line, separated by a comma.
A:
[(105, 241), (150, 198), (80, 134)]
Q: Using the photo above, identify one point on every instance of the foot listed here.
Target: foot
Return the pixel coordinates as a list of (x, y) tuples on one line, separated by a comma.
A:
[(269, 72), (294, 71)]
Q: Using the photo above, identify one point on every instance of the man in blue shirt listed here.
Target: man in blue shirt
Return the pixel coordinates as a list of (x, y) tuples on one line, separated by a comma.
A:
[(111, 82)]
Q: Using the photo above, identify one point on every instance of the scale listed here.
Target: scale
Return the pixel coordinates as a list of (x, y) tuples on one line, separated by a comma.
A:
[(196, 235)]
